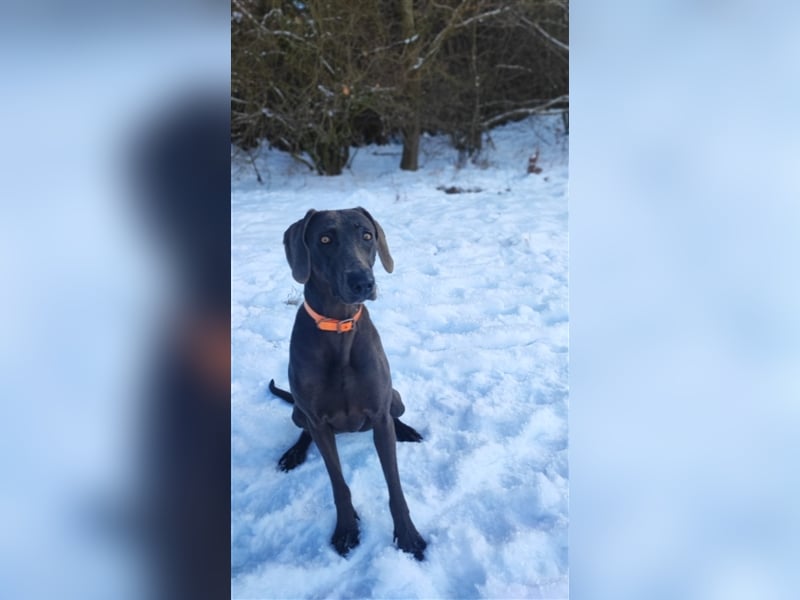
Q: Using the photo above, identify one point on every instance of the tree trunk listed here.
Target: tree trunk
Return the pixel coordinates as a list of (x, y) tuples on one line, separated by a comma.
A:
[(475, 134), (411, 135), (412, 128)]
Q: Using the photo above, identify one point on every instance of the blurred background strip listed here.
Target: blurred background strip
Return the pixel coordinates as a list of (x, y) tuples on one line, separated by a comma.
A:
[(114, 335)]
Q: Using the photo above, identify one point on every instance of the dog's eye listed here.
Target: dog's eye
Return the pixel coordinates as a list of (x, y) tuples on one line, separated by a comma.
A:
[(325, 239), (367, 235)]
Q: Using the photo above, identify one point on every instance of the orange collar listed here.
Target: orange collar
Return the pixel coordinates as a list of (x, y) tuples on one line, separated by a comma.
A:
[(326, 324)]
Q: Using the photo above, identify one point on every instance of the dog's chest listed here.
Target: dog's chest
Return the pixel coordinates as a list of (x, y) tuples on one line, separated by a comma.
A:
[(349, 386), (341, 379), (349, 396)]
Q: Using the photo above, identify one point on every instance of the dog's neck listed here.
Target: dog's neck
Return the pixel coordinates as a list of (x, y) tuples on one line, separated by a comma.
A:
[(323, 301)]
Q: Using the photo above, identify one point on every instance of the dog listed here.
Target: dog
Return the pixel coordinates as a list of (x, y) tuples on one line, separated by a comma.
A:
[(338, 372)]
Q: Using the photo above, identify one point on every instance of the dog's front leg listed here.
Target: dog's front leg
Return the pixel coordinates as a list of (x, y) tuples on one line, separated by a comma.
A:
[(345, 536), (408, 538)]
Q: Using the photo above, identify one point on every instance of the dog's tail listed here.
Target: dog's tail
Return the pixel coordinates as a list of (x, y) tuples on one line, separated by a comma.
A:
[(282, 394)]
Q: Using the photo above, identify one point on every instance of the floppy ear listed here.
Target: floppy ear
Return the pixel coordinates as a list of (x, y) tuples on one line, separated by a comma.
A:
[(297, 254), (383, 247)]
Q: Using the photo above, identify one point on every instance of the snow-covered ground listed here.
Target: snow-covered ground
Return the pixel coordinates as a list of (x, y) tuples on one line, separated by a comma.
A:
[(474, 321)]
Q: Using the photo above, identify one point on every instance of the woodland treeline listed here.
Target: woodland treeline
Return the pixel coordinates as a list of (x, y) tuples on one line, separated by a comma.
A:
[(317, 77)]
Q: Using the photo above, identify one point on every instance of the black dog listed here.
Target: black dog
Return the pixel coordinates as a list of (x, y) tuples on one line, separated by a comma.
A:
[(338, 372)]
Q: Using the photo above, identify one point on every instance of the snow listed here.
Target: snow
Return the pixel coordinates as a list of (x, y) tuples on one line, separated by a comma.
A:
[(474, 321)]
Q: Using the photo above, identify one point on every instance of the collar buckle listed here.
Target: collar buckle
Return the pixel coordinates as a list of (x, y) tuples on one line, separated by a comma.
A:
[(345, 325)]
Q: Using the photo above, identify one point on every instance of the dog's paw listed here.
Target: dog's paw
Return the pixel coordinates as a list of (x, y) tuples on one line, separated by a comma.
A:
[(345, 538), (411, 541), (292, 458)]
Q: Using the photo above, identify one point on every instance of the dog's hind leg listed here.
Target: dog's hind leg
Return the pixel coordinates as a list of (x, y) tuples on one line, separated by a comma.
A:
[(404, 432)]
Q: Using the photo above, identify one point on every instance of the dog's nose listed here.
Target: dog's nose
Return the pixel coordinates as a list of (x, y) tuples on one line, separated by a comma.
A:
[(361, 283)]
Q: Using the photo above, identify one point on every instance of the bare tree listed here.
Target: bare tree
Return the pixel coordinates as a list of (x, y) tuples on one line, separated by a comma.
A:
[(315, 77)]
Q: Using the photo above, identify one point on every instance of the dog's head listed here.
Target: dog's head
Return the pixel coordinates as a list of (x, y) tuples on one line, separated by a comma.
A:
[(337, 249)]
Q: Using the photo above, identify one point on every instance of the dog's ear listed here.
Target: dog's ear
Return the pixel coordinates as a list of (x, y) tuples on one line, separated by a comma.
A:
[(297, 254), (383, 246)]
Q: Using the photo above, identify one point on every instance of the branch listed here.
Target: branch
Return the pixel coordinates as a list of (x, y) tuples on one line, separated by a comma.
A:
[(452, 25), (514, 68), (264, 28), (523, 112), (482, 16), (300, 159), (405, 42), (248, 14), (556, 42), (255, 167), (550, 38)]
